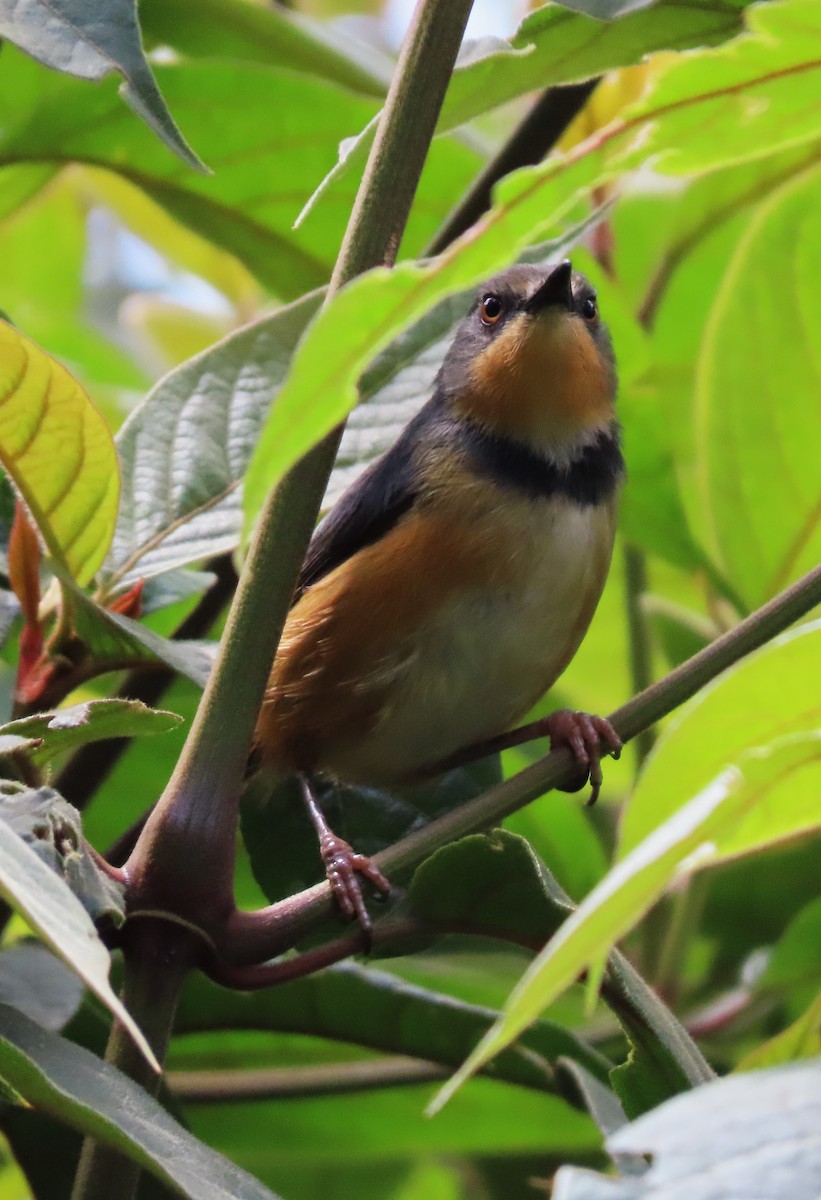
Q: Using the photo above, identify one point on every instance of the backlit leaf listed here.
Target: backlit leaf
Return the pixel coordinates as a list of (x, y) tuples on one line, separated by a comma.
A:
[(59, 452)]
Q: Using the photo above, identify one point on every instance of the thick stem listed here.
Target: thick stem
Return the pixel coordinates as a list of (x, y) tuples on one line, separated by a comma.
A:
[(195, 820), (252, 937), (157, 957)]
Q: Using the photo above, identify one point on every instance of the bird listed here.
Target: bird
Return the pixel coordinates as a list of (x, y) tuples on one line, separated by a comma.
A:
[(453, 582)]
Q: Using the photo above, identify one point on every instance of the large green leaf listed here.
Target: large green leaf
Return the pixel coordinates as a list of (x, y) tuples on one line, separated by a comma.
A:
[(59, 452), (71, 36), (554, 46), (184, 450), (760, 91), (268, 133), (57, 916), (754, 1134), (766, 697), (374, 1009), (68, 1082), (756, 433)]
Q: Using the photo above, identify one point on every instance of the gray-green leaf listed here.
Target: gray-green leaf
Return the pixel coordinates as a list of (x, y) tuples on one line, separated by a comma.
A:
[(70, 1083)]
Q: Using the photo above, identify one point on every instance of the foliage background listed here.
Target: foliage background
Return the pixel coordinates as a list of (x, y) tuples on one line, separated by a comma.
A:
[(122, 262)]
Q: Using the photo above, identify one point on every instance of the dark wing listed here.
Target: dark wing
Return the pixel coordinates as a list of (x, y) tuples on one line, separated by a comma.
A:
[(369, 509)]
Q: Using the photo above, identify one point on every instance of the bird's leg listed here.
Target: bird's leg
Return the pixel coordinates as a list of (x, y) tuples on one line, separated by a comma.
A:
[(587, 736), (343, 864)]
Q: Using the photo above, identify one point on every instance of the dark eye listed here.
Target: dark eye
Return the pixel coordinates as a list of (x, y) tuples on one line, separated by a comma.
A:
[(491, 309), (588, 308)]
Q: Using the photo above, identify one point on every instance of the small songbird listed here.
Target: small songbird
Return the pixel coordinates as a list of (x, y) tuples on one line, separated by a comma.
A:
[(453, 582)]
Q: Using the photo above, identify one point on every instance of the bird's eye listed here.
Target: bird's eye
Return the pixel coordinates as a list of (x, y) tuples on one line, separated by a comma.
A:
[(588, 308), (491, 309)]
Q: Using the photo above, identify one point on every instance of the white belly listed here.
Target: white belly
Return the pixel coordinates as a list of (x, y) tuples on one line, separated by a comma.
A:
[(488, 655)]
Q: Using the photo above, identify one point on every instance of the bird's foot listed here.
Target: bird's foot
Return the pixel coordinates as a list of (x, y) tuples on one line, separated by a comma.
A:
[(343, 866), (589, 738)]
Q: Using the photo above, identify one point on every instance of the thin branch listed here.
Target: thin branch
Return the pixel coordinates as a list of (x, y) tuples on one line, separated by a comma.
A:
[(252, 937), (641, 669), (279, 1083)]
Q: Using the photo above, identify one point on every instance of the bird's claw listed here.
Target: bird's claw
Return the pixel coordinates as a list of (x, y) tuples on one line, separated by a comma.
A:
[(343, 865), (588, 737)]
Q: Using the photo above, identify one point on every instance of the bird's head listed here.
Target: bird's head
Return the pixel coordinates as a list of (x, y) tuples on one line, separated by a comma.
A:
[(532, 359)]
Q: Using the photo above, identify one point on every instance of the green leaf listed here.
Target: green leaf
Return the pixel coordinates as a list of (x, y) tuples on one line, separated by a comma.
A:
[(272, 35), (802, 1039), (58, 917), (92, 721), (606, 1110), (366, 1007), (62, 1079), (663, 1059), (114, 641), (612, 908), (759, 90), (39, 984), (69, 36), (185, 449), (766, 697), (752, 419), (493, 885), (749, 1135), (268, 134), (796, 958), (554, 46), (59, 452)]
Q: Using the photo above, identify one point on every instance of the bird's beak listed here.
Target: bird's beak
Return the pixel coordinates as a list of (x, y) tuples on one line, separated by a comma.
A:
[(556, 289)]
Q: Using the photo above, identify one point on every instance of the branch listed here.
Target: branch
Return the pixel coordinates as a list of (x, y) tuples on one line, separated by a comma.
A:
[(249, 937), (327, 1079)]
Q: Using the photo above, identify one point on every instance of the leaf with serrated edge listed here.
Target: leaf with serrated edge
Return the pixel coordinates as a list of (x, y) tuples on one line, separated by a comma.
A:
[(69, 35), (63, 1079), (59, 918), (59, 452)]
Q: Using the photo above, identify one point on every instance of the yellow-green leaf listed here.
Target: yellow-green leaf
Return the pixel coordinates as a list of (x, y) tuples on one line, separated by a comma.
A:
[(59, 452)]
